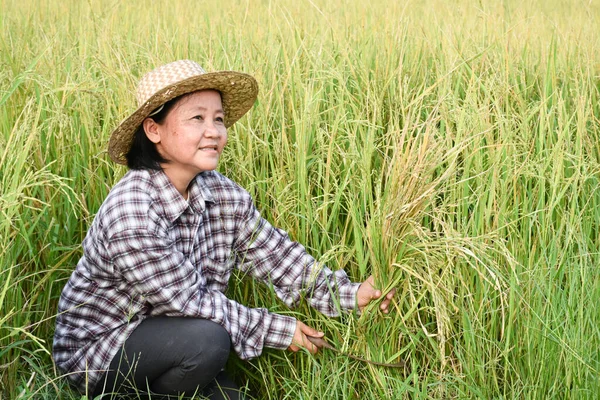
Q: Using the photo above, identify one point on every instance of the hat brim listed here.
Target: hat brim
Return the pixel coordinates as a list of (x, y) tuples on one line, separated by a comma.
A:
[(238, 94)]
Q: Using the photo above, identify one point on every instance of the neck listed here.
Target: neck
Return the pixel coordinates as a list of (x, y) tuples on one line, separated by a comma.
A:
[(179, 179)]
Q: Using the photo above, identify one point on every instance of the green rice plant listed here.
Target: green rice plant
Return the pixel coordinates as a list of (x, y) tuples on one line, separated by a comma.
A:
[(449, 148)]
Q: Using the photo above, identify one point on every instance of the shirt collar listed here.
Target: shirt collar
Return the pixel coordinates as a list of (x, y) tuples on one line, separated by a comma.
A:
[(172, 202), (199, 194)]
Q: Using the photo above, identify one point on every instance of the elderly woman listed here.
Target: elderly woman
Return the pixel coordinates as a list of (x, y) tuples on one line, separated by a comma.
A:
[(144, 310)]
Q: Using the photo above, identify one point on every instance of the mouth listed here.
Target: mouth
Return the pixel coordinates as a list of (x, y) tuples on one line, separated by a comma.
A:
[(209, 148)]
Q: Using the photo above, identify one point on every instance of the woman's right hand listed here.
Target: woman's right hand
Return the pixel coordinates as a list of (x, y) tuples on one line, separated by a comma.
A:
[(300, 339)]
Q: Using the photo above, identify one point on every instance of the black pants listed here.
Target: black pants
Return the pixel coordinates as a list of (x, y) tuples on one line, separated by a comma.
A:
[(166, 357)]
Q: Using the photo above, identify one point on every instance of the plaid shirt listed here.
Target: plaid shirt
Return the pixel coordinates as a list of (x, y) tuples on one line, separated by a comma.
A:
[(150, 252)]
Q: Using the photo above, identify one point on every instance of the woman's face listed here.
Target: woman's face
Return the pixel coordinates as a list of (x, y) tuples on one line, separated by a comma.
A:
[(193, 134)]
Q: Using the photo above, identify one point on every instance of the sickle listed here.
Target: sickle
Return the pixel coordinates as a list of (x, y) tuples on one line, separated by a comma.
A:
[(321, 343)]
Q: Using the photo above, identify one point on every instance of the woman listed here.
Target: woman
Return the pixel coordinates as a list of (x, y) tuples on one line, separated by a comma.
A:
[(145, 311)]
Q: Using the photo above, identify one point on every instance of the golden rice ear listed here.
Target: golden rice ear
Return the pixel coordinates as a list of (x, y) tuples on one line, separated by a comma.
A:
[(238, 94)]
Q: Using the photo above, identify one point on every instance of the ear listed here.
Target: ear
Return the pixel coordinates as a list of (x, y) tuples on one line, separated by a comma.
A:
[(151, 129)]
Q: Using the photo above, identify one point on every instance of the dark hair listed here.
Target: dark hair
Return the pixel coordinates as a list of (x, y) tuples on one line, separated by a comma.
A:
[(143, 153)]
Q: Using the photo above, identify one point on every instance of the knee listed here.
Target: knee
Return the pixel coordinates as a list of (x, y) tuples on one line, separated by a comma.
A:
[(219, 338), (213, 343)]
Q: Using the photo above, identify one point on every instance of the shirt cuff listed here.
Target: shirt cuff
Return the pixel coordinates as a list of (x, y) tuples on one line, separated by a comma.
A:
[(347, 295), (280, 331)]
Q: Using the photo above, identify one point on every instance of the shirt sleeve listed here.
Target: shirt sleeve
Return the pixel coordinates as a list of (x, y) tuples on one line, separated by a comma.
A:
[(165, 279), (268, 253)]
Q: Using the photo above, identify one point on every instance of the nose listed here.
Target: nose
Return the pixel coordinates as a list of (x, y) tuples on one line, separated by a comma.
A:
[(211, 129)]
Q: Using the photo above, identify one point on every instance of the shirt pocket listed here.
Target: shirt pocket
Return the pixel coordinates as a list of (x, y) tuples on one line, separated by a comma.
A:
[(217, 273)]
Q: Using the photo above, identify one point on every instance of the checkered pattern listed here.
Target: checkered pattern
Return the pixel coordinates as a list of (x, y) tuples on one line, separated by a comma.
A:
[(150, 252), (164, 76)]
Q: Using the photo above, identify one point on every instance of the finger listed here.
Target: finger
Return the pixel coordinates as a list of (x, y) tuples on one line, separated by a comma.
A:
[(371, 295), (294, 348), (391, 294), (385, 306), (308, 345), (386, 303), (368, 296)]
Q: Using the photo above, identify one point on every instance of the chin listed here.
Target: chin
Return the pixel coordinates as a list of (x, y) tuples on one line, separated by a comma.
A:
[(207, 167)]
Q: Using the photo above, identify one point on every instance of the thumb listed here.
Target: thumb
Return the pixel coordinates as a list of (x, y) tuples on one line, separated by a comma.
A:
[(375, 293), (307, 330)]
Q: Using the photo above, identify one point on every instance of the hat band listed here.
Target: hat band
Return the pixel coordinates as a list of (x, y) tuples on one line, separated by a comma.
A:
[(159, 109)]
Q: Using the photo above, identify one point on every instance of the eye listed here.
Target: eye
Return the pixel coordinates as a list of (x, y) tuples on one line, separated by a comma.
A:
[(220, 119), (198, 117)]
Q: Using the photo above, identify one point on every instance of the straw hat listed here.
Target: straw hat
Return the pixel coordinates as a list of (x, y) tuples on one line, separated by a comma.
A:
[(238, 93)]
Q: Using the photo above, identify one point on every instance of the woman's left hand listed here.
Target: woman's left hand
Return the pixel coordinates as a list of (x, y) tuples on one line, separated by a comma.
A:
[(367, 293)]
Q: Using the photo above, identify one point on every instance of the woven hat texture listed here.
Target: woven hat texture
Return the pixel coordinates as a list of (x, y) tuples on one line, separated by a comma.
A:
[(238, 94)]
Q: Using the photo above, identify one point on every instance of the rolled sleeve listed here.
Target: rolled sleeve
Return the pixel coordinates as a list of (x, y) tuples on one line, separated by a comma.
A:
[(347, 295), (280, 331)]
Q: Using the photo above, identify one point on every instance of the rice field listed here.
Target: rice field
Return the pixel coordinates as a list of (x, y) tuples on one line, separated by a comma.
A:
[(452, 149)]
